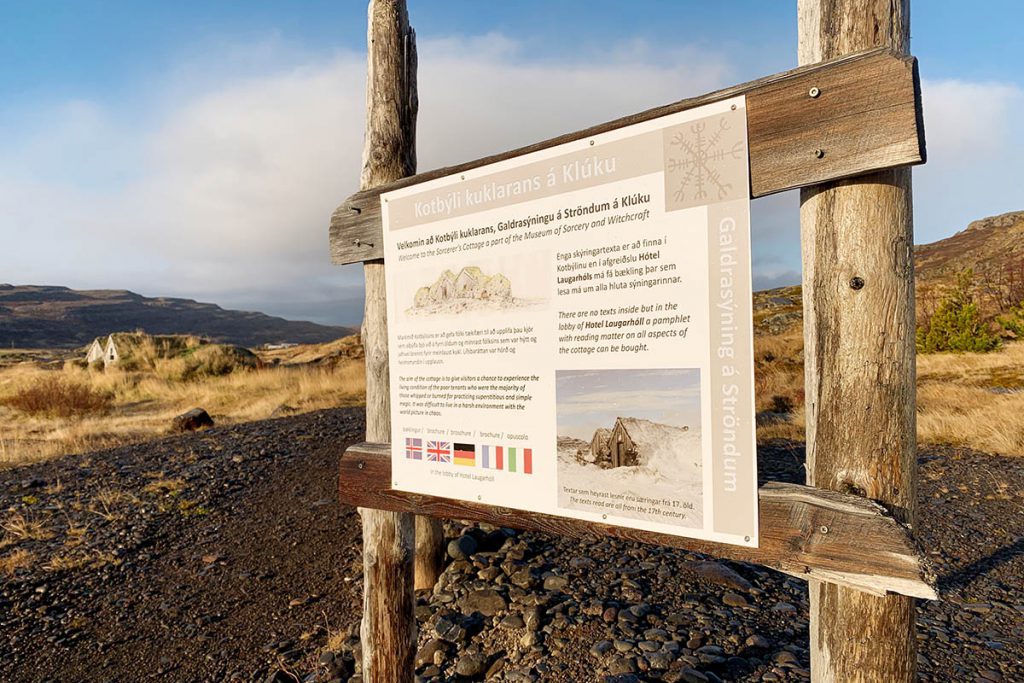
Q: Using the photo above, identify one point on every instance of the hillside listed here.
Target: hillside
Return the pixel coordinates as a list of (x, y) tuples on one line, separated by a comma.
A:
[(58, 317), (993, 247)]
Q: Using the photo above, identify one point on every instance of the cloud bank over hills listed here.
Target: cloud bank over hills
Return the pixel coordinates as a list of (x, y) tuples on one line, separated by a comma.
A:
[(217, 178)]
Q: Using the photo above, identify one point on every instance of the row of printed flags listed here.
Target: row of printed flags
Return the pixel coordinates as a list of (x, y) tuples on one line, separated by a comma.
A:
[(507, 458)]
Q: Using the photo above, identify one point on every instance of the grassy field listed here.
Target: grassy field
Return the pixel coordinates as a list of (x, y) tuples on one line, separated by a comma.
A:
[(969, 399), (48, 408)]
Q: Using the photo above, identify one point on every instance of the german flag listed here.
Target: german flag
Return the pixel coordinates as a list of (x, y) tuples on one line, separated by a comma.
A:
[(465, 454)]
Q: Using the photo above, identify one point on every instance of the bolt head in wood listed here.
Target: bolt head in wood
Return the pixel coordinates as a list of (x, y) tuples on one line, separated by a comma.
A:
[(814, 92), (819, 153), (824, 529)]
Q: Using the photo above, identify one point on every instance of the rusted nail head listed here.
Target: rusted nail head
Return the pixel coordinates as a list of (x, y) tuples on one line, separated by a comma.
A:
[(856, 283)]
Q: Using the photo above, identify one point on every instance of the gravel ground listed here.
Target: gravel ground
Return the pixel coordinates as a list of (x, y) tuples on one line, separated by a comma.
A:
[(223, 555)]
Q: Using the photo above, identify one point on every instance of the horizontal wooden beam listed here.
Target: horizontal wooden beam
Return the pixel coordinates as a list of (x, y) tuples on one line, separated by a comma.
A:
[(805, 532), (863, 114)]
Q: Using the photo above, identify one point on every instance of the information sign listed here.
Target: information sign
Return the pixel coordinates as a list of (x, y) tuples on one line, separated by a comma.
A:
[(570, 330)]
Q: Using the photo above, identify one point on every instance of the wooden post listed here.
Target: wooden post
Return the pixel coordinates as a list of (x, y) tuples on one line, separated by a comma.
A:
[(388, 630), (857, 243)]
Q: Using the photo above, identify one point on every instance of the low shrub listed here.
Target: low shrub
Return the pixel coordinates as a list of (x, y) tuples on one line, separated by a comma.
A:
[(1014, 322), (57, 397), (957, 325)]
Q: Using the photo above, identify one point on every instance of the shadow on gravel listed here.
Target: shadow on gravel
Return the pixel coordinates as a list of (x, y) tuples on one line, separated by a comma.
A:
[(980, 567)]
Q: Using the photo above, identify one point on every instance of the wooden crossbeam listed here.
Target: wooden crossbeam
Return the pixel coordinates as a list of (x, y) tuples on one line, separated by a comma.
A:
[(824, 122), (805, 532)]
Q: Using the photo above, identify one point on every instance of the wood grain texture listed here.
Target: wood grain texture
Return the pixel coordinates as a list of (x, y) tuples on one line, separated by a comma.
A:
[(388, 629), (430, 552), (859, 357), (866, 117), (804, 532)]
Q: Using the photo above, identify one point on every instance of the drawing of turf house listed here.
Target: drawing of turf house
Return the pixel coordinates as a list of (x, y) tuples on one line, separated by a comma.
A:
[(631, 441), (471, 283)]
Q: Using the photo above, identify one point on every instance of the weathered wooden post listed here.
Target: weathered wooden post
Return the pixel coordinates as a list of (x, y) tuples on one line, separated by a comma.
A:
[(388, 629), (857, 238)]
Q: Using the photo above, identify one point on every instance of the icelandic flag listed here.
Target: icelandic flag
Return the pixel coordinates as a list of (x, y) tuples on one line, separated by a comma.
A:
[(414, 449), (465, 454), (439, 451)]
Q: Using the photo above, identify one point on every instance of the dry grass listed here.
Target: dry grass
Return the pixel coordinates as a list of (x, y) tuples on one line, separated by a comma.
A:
[(55, 396), (163, 486), (107, 503), (20, 527), (968, 399), (79, 560), (142, 403), (18, 559), (973, 399)]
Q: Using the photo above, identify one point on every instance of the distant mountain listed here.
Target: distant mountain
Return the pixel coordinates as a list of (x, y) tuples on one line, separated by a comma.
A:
[(992, 247), (58, 317)]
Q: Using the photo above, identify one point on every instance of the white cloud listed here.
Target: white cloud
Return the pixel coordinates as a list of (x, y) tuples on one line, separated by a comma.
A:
[(223, 185), (975, 155), (217, 182)]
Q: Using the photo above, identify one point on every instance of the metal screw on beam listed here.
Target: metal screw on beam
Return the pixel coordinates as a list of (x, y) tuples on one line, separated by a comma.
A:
[(361, 465), (824, 529), (819, 153), (814, 92)]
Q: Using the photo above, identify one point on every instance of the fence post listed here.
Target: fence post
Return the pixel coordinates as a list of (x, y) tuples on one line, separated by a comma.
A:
[(857, 243), (388, 630)]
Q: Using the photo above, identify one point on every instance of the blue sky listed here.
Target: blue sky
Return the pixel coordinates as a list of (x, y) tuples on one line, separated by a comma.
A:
[(197, 148)]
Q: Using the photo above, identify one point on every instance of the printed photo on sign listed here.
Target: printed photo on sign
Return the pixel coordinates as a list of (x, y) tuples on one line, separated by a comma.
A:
[(629, 443)]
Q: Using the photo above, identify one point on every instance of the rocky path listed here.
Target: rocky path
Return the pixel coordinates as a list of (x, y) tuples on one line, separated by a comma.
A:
[(226, 557), (214, 556)]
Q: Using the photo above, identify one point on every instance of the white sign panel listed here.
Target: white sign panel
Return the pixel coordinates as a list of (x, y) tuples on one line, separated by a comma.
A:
[(570, 330)]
